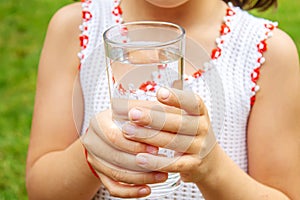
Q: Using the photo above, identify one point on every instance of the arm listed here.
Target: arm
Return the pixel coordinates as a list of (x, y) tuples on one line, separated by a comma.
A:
[(273, 136), (274, 129), (56, 166)]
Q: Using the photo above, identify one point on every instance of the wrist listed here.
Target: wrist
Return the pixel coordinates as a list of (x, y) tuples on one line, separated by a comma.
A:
[(89, 164), (81, 164), (221, 175), (211, 168)]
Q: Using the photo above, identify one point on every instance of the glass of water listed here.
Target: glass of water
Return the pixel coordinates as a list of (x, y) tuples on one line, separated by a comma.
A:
[(141, 57)]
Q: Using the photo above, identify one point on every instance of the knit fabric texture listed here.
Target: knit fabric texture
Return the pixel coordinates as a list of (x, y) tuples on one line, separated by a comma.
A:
[(227, 84)]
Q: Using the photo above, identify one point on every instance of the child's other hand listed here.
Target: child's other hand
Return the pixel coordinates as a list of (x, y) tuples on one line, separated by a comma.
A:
[(181, 124), (113, 158)]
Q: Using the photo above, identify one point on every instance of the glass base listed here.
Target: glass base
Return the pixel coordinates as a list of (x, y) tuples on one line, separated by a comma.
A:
[(166, 188), (160, 190)]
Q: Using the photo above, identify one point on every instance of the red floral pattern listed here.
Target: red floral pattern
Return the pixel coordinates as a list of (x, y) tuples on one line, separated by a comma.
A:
[(148, 86), (198, 73), (121, 89), (262, 47), (230, 12), (162, 66), (84, 40), (117, 12), (224, 30), (86, 15), (216, 53)]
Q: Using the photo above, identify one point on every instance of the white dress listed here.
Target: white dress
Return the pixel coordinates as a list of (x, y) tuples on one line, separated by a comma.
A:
[(227, 84)]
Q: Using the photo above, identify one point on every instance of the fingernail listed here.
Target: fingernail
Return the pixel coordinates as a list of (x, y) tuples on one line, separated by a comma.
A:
[(160, 177), (141, 160), (143, 191), (164, 93), (152, 150), (135, 114), (129, 129)]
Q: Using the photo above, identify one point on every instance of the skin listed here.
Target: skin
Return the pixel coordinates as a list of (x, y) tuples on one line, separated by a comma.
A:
[(167, 3), (56, 150)]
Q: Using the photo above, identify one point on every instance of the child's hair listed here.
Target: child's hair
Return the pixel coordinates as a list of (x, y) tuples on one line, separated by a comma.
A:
[(253, 4)]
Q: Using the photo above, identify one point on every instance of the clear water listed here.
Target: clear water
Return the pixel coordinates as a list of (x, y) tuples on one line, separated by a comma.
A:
[(135, 77)]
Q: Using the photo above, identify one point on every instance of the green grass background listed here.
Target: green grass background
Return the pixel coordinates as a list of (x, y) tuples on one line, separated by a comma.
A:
[(22, 29)]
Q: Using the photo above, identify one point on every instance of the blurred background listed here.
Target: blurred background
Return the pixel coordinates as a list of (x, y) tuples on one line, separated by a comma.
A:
[(23, 27)]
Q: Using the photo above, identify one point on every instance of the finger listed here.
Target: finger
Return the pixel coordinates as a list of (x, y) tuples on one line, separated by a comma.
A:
[(101, 149), (121, 107), (160, 120), (126, 176), (186, 100), (177, 142), (179, 164), (112, 135), (124, 190)]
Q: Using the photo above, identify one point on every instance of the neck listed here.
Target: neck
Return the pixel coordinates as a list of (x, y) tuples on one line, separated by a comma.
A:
[(194, 12)]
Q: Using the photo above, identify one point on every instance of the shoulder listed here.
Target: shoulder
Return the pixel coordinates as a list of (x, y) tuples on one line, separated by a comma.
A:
[(282, 59), (282, 50), (62, 38), (281, 55), (280, 74), (67, 19)]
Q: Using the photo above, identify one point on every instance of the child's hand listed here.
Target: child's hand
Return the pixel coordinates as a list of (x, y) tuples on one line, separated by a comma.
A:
[(113, 158), (183, 125)]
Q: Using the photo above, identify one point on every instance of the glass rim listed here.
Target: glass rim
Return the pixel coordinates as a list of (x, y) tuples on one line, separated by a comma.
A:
[(180, 36)]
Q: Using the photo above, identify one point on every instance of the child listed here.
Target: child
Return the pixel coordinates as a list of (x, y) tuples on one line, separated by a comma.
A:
[(257, 153)]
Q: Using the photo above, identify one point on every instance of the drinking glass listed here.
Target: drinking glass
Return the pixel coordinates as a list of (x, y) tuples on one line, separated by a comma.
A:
[(141, 57)]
